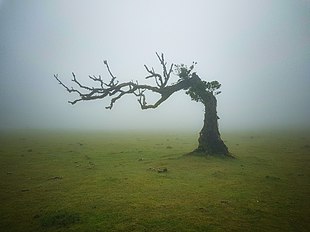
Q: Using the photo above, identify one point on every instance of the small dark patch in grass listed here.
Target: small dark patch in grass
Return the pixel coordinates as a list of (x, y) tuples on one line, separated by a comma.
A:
[(91, 165), (307, 146), (159, 170), (224, 202), (218, 174), (59, 219), (55, 178), (207, 209), (253, 214), (202, 209), (274, 178), (87, 157), (169, 147), (162, 170), (29, 150), (113, 180)]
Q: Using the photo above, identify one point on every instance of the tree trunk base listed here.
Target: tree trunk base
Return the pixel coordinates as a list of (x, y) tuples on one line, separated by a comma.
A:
[(200, 153), (212, 144)]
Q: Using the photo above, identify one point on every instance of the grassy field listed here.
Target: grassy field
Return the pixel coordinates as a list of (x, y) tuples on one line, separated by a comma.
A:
[(66, 181)]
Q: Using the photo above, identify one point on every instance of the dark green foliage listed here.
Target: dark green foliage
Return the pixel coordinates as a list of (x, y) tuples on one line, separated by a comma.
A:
[(183, 71), (198, 89), (213, 86)]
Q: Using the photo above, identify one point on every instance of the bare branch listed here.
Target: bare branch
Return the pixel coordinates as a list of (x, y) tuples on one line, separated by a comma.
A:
[(166, 73), (112, 83), (79, 84), (70, 90), (115, 90), (153, 74), (60, 82), (99, 79), (161, 80)]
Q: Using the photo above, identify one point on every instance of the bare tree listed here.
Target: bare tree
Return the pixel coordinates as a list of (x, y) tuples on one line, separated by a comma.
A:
[(210, 142)]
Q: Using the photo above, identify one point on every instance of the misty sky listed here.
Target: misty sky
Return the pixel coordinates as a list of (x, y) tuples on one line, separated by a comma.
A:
[(259, 50)]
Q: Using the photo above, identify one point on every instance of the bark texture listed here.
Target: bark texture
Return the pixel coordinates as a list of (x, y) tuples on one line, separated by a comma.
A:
[(210, 141)]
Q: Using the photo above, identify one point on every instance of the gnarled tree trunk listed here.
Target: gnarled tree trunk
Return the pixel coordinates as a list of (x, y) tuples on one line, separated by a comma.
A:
[(210, 141)]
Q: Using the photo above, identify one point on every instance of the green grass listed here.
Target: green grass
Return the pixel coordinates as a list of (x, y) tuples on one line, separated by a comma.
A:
[(53, 181)]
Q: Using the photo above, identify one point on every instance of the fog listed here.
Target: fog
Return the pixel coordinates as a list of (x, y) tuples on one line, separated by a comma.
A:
[(258, 50)]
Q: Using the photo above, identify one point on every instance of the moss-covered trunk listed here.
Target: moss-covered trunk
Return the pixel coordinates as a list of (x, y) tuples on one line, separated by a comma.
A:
[(210, 141)]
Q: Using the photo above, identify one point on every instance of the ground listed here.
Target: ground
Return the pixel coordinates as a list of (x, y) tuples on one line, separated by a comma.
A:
[(95, 181)]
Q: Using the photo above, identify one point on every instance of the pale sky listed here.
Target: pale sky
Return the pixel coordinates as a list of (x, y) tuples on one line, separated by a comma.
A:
[(259, 50)]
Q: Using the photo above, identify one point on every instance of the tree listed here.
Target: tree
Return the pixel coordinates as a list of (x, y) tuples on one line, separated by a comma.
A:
[(210, 142)]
